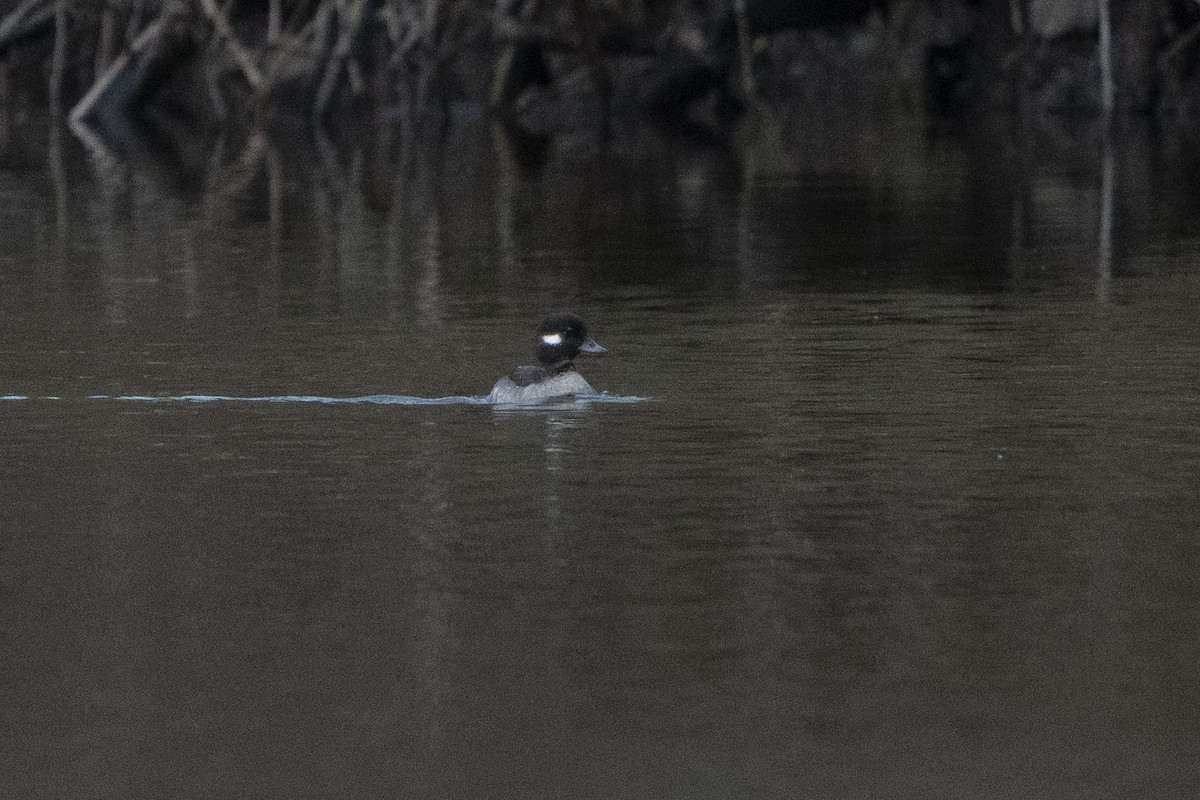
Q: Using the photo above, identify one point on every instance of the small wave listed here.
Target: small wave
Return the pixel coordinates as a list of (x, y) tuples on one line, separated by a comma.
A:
[(567, 403), (371, 399)]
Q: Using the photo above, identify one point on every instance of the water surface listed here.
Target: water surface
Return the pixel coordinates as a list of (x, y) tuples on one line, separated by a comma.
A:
[(910, 509)]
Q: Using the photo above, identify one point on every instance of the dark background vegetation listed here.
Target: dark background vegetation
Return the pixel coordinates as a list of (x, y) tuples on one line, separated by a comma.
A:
[(544, 65)]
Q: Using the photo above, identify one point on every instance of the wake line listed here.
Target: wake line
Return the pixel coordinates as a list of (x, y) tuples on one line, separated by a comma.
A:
[(371, 399)]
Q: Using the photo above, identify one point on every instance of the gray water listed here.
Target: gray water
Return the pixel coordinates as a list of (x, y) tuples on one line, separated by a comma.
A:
[(907, 506)]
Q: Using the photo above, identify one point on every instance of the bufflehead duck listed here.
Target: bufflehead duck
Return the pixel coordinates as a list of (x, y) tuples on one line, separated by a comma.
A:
[(560, 339)]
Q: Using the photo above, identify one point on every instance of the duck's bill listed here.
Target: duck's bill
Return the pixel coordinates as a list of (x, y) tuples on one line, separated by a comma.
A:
[(592, 346)]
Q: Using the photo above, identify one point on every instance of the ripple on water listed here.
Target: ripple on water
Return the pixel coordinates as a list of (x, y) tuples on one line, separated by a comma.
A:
[(373, 399)]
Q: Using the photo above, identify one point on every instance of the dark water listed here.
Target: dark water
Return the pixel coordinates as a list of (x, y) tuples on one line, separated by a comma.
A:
[(912, 509)]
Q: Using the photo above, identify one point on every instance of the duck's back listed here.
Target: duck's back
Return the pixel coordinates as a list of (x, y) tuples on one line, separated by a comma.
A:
[(533, 383), (529, 374)]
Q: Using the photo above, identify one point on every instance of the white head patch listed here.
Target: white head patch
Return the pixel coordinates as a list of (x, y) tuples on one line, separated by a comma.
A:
[(552, 338)]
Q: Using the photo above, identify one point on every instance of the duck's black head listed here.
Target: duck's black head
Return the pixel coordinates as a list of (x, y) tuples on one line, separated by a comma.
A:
[(562, 337)]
